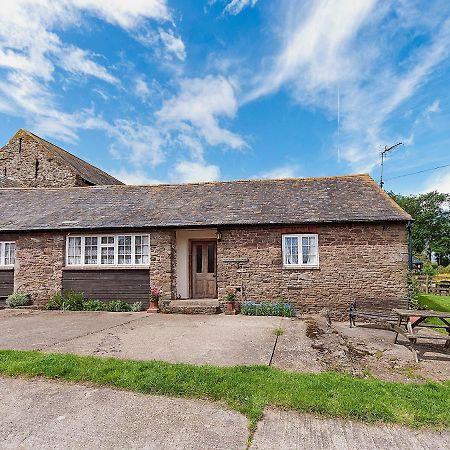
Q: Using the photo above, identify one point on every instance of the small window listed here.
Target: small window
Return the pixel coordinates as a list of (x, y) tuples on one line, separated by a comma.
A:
[(124, 249), (90, 250), (211, 258), (74, 251), (7, 253), (199, 258), (107, 250), (300, 250)]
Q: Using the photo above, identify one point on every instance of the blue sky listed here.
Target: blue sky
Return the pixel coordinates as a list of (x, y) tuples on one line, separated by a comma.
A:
[(179, 91)]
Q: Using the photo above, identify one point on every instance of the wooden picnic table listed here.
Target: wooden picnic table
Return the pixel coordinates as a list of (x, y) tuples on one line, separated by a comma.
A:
[(409, 319)]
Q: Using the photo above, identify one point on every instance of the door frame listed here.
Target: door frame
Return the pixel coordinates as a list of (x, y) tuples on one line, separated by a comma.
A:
[(191, 274)]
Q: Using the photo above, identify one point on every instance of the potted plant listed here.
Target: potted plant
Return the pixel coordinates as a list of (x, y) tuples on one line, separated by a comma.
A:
[(155, 294), (230, 298)]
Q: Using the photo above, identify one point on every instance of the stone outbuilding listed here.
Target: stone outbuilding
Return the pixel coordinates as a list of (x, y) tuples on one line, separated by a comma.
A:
[(317, 242), (28, 160)]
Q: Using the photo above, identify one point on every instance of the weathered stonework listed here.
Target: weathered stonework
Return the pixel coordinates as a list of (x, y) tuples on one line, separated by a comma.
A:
[(367, 262), (163, 263), (24, 160), (39, 265)]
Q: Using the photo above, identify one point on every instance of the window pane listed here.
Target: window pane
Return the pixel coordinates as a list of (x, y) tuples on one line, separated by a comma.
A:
[(211, 258), (9, 253), (291, 250), (74, 250), (90, 250), (199, 258), (107, 255), (141, 250), (124, 249)]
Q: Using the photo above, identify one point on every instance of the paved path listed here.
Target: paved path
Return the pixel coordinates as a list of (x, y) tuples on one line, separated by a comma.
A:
[(286, 430), (37, 414), (197, 339)]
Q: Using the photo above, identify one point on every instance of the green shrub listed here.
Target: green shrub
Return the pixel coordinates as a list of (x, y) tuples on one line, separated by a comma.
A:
[(55, 302), (94, 305), (118, 306), (15, 300), (136, 307), (72, 301), (267, 308)]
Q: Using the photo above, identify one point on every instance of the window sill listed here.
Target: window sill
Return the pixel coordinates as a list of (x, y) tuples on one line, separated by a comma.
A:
[(6, 267), (301, 267), (111, 267)]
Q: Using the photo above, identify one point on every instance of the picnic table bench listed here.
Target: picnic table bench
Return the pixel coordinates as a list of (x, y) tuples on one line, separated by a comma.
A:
[(409, 319), (379, 315)]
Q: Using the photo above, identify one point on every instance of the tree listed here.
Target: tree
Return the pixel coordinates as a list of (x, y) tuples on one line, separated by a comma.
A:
[(431, 228)]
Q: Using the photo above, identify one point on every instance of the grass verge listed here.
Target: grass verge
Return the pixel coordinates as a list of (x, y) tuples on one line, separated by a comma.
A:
[(435, 303), (248, 389)]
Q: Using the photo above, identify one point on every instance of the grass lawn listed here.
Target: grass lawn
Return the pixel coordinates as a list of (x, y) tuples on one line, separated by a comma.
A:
[(435, 303), (248, 389)]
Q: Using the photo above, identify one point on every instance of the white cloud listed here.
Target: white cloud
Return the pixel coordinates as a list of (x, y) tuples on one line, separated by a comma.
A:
[(133, 177), (234, 7), (173, 44), (286, 171), (140, 144), (197, 108), (191, 172), (31, 51), (335, 47), (434, 107), (141, 88), (439, 181), (80, 61)]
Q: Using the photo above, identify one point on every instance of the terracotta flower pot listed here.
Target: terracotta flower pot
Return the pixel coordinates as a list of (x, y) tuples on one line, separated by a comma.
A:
[(153, 307)]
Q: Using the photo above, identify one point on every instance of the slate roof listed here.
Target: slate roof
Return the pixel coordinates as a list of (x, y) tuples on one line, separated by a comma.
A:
[(8, 182), (85, 170), (355, 198)]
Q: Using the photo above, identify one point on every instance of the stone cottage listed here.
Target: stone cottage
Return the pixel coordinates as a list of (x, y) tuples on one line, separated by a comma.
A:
[(318, 242)]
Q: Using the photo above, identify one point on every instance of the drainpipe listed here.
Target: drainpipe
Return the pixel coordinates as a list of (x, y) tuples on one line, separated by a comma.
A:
[(410, 260)]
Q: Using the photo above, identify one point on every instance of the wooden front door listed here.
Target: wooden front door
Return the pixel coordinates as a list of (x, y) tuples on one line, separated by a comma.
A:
[(203, 269)]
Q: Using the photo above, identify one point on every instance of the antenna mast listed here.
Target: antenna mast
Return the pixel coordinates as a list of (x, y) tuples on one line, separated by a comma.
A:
[(383, 156)]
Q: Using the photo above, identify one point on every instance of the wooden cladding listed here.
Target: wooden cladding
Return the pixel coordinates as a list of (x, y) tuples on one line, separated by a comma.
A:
[(6, 285), (131, 285)]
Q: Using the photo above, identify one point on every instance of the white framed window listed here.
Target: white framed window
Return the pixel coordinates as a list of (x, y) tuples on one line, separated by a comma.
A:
[(7, 254), (108, 250), (300, 250)]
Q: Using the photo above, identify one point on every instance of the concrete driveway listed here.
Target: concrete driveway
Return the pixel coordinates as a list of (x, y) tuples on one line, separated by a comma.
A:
[(40, 414), (198, 339)]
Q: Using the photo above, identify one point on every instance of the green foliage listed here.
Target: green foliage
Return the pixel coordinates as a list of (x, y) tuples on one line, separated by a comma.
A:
[(230, 297), (283, 309), (431, 228), (249, 389), (72, 301), (136, 307), (443, 270), (118, 306), (429, 268), (413, 290), (15, 300), (55, 302), (94, 305)]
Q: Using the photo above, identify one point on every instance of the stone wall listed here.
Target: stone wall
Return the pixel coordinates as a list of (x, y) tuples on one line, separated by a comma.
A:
[(23, 159), (39, 265), (163, 263), (364, 262)]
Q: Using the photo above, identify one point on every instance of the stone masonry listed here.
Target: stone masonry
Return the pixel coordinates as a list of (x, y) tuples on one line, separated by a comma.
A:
[(24, 160), (39, 265), (367, 262)]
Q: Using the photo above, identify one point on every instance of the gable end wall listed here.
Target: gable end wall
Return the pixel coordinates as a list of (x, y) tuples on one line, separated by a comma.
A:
[(21, 166)]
